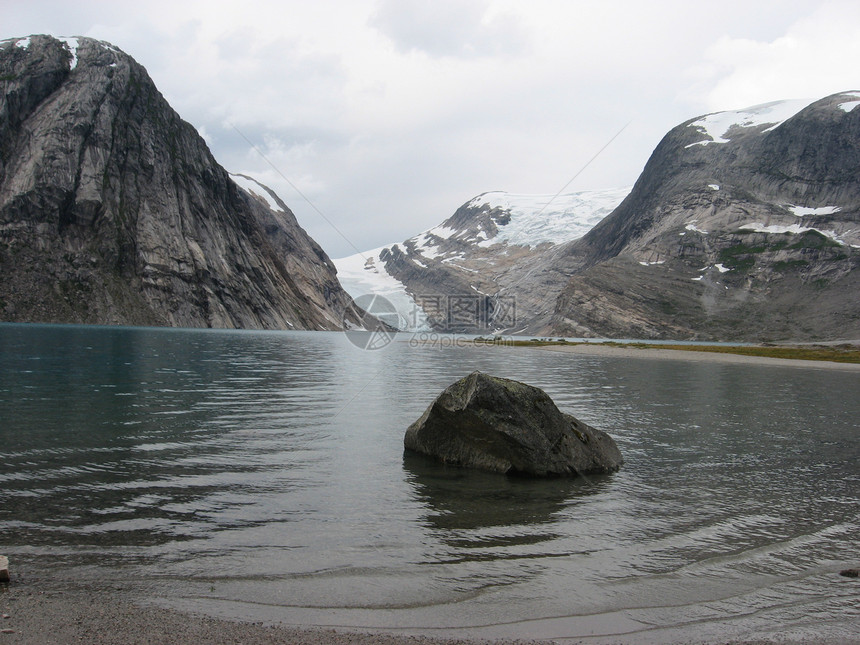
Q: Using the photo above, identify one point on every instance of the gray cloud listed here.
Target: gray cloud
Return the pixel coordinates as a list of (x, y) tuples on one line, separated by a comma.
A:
[(458, 28)]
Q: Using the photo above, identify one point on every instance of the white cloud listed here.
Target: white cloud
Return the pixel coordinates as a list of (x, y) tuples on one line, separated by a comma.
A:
[(458, 28), (815, 57), (204, 133), (389, 114)]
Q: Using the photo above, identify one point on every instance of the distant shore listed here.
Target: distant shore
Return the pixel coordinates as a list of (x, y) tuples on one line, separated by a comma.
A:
[(782, 356)]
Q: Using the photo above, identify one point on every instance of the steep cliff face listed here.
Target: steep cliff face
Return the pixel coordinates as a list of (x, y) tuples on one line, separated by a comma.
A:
[(113, 210), (743, 226)]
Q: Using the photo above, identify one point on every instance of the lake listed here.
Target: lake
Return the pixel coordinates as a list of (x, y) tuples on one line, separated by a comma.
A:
[(261, 475)]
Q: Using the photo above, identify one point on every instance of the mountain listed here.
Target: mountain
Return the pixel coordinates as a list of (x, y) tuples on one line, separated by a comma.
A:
[(744, 225), (113, 209), (488, 267)]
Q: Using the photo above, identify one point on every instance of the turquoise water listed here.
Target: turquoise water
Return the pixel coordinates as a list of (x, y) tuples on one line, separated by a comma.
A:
[(262, 476)]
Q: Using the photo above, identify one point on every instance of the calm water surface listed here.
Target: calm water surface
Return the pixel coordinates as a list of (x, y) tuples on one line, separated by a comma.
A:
[(262, 475)]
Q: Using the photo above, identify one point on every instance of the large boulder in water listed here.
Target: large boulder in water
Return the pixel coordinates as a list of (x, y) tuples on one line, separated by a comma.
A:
[(506, 426)]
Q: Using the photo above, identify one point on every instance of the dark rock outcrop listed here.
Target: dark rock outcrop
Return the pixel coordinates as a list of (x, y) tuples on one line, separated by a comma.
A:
[(505, 426), (113, 210)]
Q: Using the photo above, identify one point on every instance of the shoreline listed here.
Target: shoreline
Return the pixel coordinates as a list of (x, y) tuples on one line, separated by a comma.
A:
[(32, 615), (37, 608), (658, 353), (37, 617)]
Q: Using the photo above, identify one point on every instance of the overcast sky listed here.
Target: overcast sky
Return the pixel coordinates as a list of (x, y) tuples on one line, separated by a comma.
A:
[(389, 114)]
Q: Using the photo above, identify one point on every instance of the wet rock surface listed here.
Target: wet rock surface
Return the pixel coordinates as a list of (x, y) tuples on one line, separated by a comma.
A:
[(505, 426)]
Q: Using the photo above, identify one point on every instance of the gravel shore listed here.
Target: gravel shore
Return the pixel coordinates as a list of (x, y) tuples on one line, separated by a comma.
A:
[(37, 617), (32, 616)]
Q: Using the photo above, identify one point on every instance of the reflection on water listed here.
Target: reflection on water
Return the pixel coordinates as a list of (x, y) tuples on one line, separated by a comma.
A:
[(459, 498), (262, 475)]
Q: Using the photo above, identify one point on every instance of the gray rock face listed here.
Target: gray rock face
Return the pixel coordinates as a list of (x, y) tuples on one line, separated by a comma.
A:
[(113, 210), (505, 426)]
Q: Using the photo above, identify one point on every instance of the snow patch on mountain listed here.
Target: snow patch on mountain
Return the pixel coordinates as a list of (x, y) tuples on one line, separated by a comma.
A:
[(442, 232), (850, 105), (426, 246), (717, 125), (793, 229), (256, 189), (691, 226), (803, 211), (72, 45)]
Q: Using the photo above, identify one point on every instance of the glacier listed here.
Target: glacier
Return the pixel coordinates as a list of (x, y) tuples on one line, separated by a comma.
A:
[(533, 221)]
